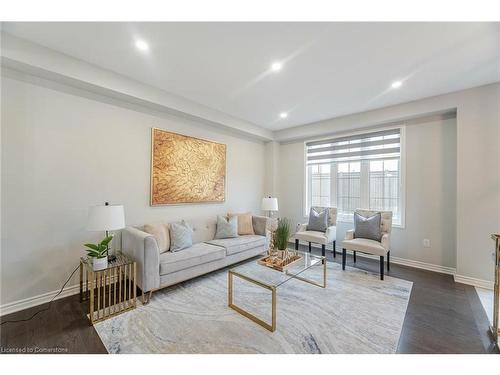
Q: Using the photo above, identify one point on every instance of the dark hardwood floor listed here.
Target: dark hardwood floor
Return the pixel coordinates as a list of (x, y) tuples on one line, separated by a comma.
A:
[(442, 317)]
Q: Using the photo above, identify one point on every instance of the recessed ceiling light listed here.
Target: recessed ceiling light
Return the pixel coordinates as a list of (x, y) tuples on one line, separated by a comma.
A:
[(396, 84), (283, 115), (142, 45), (276, 66)]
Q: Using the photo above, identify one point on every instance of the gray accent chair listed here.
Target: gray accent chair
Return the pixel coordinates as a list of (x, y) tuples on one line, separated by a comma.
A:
[(157, 270), (367, 246), (322, 238)]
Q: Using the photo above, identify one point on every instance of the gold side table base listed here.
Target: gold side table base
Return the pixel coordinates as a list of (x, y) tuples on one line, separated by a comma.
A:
[(110, 291), (270, 327)]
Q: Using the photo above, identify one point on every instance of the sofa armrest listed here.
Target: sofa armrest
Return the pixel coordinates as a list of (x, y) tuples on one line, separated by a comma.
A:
[(143, 248), (349, 235), (302, 227), (331, 233), (385, 241)]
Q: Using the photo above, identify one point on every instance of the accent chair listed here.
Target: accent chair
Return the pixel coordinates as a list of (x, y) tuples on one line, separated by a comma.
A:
[(367, 246), (322, 238)]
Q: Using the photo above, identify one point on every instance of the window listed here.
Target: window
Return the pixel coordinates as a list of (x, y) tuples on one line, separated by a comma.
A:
[(360, 171)]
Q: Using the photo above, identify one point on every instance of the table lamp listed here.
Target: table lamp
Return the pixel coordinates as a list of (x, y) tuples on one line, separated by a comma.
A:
[(106, 218), (269, 204)]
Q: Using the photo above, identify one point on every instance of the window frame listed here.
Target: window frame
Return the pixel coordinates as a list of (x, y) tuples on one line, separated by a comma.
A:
[(402, 164)]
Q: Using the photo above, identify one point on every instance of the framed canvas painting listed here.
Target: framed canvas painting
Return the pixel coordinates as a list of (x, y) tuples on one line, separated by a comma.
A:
[(185, 169)]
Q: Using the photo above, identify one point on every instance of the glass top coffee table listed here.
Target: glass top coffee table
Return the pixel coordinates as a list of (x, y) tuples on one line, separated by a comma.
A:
[(269, 278)]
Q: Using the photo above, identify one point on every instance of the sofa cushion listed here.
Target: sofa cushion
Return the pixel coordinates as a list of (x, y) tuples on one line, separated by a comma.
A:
[(239, 244), (226, 227), (367, 227), (365, 246), (203, 229), (181, 236), (161, 233), (312, 236), (195, 255), (259, 224), (318, 220), (244, 223)]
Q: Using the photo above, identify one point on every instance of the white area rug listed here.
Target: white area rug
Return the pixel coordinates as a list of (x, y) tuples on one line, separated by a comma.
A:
[(356, 313), (486, 298)]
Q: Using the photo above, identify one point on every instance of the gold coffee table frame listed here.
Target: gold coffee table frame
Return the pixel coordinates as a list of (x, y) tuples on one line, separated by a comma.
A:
[(269, 326)]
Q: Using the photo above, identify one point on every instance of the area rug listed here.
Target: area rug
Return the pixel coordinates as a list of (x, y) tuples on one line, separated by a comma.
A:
[(486, 298), (356, 313)]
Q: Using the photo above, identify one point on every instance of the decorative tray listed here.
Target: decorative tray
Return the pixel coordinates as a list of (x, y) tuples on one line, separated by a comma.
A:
[(280, 262)]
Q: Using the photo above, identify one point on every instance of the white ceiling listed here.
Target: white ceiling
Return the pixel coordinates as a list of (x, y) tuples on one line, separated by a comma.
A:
[(329, 69)]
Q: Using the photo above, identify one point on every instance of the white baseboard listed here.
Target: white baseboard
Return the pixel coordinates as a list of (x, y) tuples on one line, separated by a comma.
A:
[(424, 266), (415, 264), (26, 303), (406, 262), (473, 281)]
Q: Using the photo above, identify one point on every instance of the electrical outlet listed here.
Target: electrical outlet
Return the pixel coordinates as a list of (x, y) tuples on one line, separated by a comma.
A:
[(427, 242)]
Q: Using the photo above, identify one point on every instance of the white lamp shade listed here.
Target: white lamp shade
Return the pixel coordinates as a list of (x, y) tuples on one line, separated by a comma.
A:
[(269, 204), (102, 218)]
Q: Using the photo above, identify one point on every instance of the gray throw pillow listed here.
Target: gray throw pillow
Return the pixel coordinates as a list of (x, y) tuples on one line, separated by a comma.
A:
[(226, 228), (181, 236), (318, 221), (367, 227)]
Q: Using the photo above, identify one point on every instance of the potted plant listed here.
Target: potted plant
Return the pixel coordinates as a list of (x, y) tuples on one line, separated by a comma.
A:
[(99, 253), (282, 234)]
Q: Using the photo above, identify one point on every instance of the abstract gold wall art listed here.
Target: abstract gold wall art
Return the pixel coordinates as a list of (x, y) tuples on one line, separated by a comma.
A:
[(186, 169)]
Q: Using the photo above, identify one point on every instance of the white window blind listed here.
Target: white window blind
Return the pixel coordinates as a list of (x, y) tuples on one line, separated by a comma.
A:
[(374, 145), (359, 171)]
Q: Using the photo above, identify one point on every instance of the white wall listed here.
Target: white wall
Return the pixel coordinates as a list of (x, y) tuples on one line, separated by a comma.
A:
[(430, 192), (478, 166), (65, 149)]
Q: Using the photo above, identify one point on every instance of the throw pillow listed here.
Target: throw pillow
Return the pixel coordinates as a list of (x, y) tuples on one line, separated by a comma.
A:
[(181, 236), (161, 233), (367, 227), (259, 224), (244, 223), (226, 227), (318, 221)]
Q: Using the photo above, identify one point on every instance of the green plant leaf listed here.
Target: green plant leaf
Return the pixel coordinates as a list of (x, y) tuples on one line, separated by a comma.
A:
[(93, 253), (282, 233), (92, 246), (106, 241)]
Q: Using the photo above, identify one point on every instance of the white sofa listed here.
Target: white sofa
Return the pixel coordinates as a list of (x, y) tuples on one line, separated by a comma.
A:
[(157, 270)]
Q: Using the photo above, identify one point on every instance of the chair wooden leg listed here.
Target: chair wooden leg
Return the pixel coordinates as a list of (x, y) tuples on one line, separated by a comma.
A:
[(354, 256), (309, 247), (388, 261), (296, 244), (334, 251), (381, 268), (344, 256)]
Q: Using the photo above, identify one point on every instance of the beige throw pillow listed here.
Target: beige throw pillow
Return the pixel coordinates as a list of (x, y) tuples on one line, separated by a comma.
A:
[(161, 233), (244, 223)]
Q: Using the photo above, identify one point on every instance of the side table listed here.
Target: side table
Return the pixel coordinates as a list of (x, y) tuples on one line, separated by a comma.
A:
[(110, 291)]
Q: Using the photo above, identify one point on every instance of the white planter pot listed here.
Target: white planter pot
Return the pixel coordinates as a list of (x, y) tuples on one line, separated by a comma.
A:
[(99, 263)]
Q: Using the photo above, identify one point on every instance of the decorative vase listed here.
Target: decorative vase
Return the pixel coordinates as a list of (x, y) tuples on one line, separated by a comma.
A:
[(99, 263)]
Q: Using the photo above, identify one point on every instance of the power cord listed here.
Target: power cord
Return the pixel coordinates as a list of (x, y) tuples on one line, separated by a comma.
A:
[(48, 306)]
